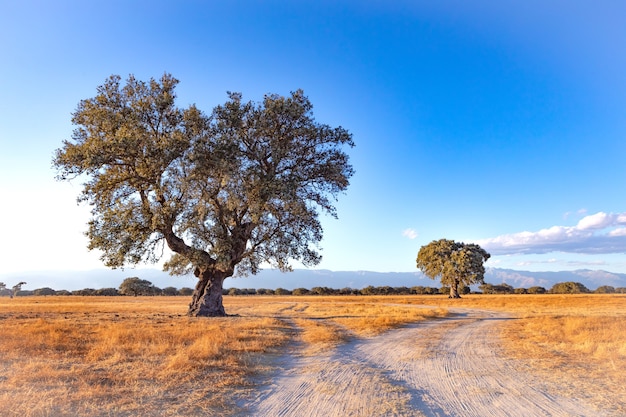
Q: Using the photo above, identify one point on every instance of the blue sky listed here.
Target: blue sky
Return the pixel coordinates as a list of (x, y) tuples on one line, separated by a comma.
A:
[(500, 123)]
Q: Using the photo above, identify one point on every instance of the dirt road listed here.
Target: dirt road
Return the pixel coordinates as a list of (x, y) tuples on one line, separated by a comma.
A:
[(449, 367)]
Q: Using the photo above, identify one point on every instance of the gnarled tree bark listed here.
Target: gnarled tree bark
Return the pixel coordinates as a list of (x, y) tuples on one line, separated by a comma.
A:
[(206, 300), (454, 290)]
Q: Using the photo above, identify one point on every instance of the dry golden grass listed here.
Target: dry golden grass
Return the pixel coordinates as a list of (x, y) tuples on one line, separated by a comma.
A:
[(123, 356), (68, 356), (330, 320), (577, 341)]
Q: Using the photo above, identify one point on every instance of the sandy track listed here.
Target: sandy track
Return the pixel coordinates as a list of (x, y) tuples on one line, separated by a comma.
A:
[(448, 367)]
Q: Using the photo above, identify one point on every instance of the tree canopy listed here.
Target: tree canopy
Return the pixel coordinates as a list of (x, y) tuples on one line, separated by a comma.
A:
[(136, 286), (13, 291), (569, 287), (456, 263), (225, 192)]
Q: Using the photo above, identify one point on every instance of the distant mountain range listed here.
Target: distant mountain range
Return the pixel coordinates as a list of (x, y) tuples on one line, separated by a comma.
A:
[(304, 278)]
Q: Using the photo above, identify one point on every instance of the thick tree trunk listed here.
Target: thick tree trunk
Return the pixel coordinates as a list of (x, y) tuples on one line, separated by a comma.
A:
[(454, 290), (207, 297)]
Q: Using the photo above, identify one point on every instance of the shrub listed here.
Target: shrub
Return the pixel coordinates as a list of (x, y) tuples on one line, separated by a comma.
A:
[(605, 289), (107, 291), (44, 291), (536, 290), (169, 291), (568, 288), (185, 291)]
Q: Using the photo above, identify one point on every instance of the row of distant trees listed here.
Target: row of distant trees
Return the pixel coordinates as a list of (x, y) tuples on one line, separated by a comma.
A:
[(139, 287)]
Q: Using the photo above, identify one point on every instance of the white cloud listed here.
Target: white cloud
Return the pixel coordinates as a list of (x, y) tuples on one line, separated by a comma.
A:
[(409, 233), (621, 231), (601, 220), (596, 233)]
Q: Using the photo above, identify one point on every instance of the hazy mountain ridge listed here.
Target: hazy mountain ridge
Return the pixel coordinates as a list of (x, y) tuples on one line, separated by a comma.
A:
[(305, 278)]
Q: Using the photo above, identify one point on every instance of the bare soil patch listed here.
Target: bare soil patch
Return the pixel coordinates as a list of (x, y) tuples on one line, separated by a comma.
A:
[(446, 367)]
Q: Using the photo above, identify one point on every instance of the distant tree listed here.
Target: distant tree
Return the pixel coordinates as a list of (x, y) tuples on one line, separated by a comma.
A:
[(169, 291), (226, 192), (135, 286), (418, 289), (84, 292), (421, 290), (300, 291), (264, 291), (369, 290), (486, 288), (457, 264), (44, 291), (503, 288), (605, 289), (536, 290), (322, 291), (13, 291), (109, 292), (385, 290), (402, 290), (620, 290), (521, 291), (282, 291), (185, 291), (568, 288), (63, 292)]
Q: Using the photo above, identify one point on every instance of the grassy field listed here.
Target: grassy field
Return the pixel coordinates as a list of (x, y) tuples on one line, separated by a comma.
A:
[(123, 356)]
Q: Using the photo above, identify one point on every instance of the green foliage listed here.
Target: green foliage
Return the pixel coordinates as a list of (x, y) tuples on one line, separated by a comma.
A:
[(170, 291), (240, 187), (503, 288), (536, 290), (281, 291), (568, 288), (85, 292), (44, 291), (185, 291), (300, 291), (457, 264), (109, 292), (421, 290), (226, 192), (322, 291), (605, 289), (369, 290)]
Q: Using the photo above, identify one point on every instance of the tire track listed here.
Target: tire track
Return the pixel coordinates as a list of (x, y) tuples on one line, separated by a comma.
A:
[(442, 368)]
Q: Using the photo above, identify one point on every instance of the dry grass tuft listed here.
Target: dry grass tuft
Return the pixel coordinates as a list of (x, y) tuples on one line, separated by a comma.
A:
[(76, 357)]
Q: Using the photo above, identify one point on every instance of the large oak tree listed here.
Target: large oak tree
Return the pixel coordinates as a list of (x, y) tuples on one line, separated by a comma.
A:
[(226, 192), (456, 263)]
